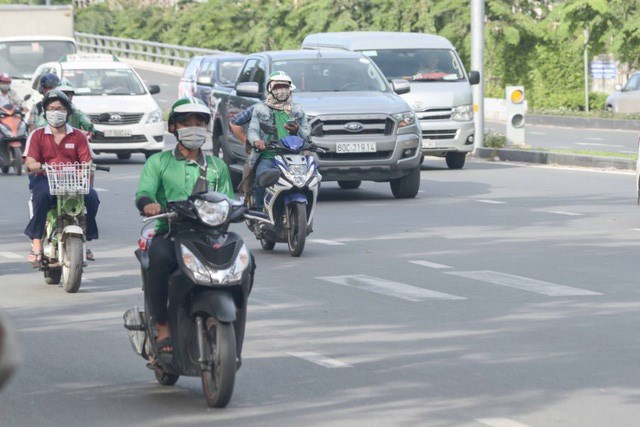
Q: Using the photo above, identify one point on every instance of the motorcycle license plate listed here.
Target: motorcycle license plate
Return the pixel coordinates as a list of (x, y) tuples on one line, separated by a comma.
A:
[(117, 133), (356, 147)]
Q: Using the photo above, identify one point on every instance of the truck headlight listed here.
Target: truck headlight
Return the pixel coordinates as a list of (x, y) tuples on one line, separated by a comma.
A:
[(155, 116), (405, 119), (212, 213), (199, 271), (462, 113)]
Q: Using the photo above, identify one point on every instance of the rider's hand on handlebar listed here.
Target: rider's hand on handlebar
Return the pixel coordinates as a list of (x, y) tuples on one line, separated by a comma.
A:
[(34, 167), (152, 209), (292, 128), (260, 144)]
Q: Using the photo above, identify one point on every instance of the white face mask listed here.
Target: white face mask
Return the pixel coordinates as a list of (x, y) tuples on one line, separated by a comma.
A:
[(193, 137), (56, 118), (5, 87)]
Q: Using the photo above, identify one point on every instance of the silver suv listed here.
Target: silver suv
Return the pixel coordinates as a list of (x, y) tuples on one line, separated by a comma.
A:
[(372, 133)]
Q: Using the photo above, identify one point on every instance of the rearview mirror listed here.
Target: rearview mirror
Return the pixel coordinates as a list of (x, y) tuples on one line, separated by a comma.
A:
[(204, 80), (268, 178), (248, 90), (400, 86), (153, 89), (474, 78)]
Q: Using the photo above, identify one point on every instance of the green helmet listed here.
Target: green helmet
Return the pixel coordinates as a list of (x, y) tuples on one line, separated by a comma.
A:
[(279, 77), (189, 105)]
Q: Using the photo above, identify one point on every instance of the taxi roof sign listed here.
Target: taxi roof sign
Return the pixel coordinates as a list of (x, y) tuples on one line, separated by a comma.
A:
[(74, 57)]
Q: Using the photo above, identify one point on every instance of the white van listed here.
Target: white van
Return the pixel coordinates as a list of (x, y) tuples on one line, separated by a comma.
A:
[(440, 87)]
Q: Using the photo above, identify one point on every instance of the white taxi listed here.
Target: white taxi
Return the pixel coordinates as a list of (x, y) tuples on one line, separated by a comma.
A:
[(102, 85)]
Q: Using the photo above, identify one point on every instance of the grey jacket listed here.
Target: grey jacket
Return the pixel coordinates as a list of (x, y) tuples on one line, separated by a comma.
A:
[(263, 114)]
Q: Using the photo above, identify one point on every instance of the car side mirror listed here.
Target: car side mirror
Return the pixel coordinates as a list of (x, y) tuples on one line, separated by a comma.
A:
[(204, 80), (474, 78), (153, 89), (27, 97), (248, 90), (400, 86), (617, 87), (268, 178)]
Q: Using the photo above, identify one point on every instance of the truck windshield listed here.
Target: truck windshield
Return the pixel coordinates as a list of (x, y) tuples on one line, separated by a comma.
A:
[(427, 65), (21, 58), (92, 82), (333, 75)]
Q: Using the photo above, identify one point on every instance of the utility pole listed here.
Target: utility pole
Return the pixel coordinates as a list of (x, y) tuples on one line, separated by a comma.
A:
[(477, 64), (586, 70)]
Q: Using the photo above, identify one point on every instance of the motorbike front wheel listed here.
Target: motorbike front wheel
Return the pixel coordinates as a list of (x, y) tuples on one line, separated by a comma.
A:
[(72, 268), (297, 232), (219, 379), (16, 153)]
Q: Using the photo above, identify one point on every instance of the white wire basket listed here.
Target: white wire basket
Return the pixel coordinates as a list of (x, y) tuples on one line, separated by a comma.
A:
[(68, 178)]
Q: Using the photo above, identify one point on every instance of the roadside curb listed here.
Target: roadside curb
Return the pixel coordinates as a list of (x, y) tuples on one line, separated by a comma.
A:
[(582, 122), (551, 158)]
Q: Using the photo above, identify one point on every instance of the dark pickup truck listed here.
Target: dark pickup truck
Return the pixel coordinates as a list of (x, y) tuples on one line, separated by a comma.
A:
[(371, 132)]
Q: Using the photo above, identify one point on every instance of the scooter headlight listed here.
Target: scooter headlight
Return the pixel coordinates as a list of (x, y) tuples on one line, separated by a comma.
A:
[(233, 273), (298, 169), (199, 271), (212, 213), (298, 174)]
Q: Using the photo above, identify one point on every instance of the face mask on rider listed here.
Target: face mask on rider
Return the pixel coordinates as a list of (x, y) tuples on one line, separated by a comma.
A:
[(193, 137), (5, 87), (56, 118), (281, 93)]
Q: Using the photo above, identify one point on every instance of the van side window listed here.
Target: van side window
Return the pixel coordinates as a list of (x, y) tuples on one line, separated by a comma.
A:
[(245, 74)]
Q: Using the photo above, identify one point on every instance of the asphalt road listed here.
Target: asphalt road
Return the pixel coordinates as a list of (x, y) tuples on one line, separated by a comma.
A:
[(503, 295)]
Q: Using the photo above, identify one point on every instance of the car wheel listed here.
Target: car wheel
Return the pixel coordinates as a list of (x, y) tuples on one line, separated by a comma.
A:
[(455, 160)]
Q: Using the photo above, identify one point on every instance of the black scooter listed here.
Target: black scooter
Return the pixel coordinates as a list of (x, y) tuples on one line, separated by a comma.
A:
[(207, 296)]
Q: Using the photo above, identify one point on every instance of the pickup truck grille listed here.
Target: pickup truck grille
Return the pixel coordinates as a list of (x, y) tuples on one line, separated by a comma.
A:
[(334, 126), (435, 114), (439, 134), (117, 119), (120, 139)]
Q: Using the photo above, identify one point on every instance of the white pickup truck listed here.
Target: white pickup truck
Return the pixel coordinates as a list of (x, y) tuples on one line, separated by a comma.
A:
[(36, 34)]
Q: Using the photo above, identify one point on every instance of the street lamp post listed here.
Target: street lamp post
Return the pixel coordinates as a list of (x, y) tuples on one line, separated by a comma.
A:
[(477, 64), (586, 70)]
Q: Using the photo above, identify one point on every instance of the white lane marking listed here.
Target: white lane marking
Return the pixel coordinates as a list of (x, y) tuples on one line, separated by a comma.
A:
[(326, 242), (593, 144), (523, 283), (491, 202), (500, 422), (429, 264), (636, 229), (100, 189), (10, 255), (87, 280), (319, 359), (595, 139), (389, 288), (564, 213), (536, 133)]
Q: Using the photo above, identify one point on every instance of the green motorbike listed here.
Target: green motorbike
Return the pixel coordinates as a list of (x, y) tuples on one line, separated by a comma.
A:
[(63, 254)]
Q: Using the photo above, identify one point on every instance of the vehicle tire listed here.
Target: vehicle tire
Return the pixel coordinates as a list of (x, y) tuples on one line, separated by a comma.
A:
[(123, 156), (52, 276), (406, 187), (5, 170), (349, 185), (17, 160), (267, 244), (218, 381), (297, 232), (148, 154), (455, 160), (163, 377), (72, 275)]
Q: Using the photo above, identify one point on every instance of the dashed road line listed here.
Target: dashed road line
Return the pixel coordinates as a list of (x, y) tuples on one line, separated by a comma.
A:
[(564, 213), (500, 422), (523, 283), (389, 288), (319, 359), (429, 264), (594, 144), (491, 202), (10, 255), (98, 189), (326, 242)]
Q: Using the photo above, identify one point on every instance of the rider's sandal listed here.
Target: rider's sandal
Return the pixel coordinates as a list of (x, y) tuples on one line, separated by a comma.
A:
[(90, 256), (35, 258)]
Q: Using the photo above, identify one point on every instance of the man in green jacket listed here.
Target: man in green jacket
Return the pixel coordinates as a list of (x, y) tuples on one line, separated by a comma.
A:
[(175, 175)]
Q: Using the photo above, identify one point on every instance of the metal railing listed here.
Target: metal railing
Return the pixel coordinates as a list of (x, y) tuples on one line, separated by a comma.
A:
[(141, 50)]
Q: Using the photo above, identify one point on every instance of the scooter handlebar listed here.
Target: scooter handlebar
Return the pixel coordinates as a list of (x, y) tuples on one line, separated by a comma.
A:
[(102, 168)]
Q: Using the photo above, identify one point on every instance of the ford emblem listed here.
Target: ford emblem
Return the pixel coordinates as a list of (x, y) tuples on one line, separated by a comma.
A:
[(115, 118), (354, 127)]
